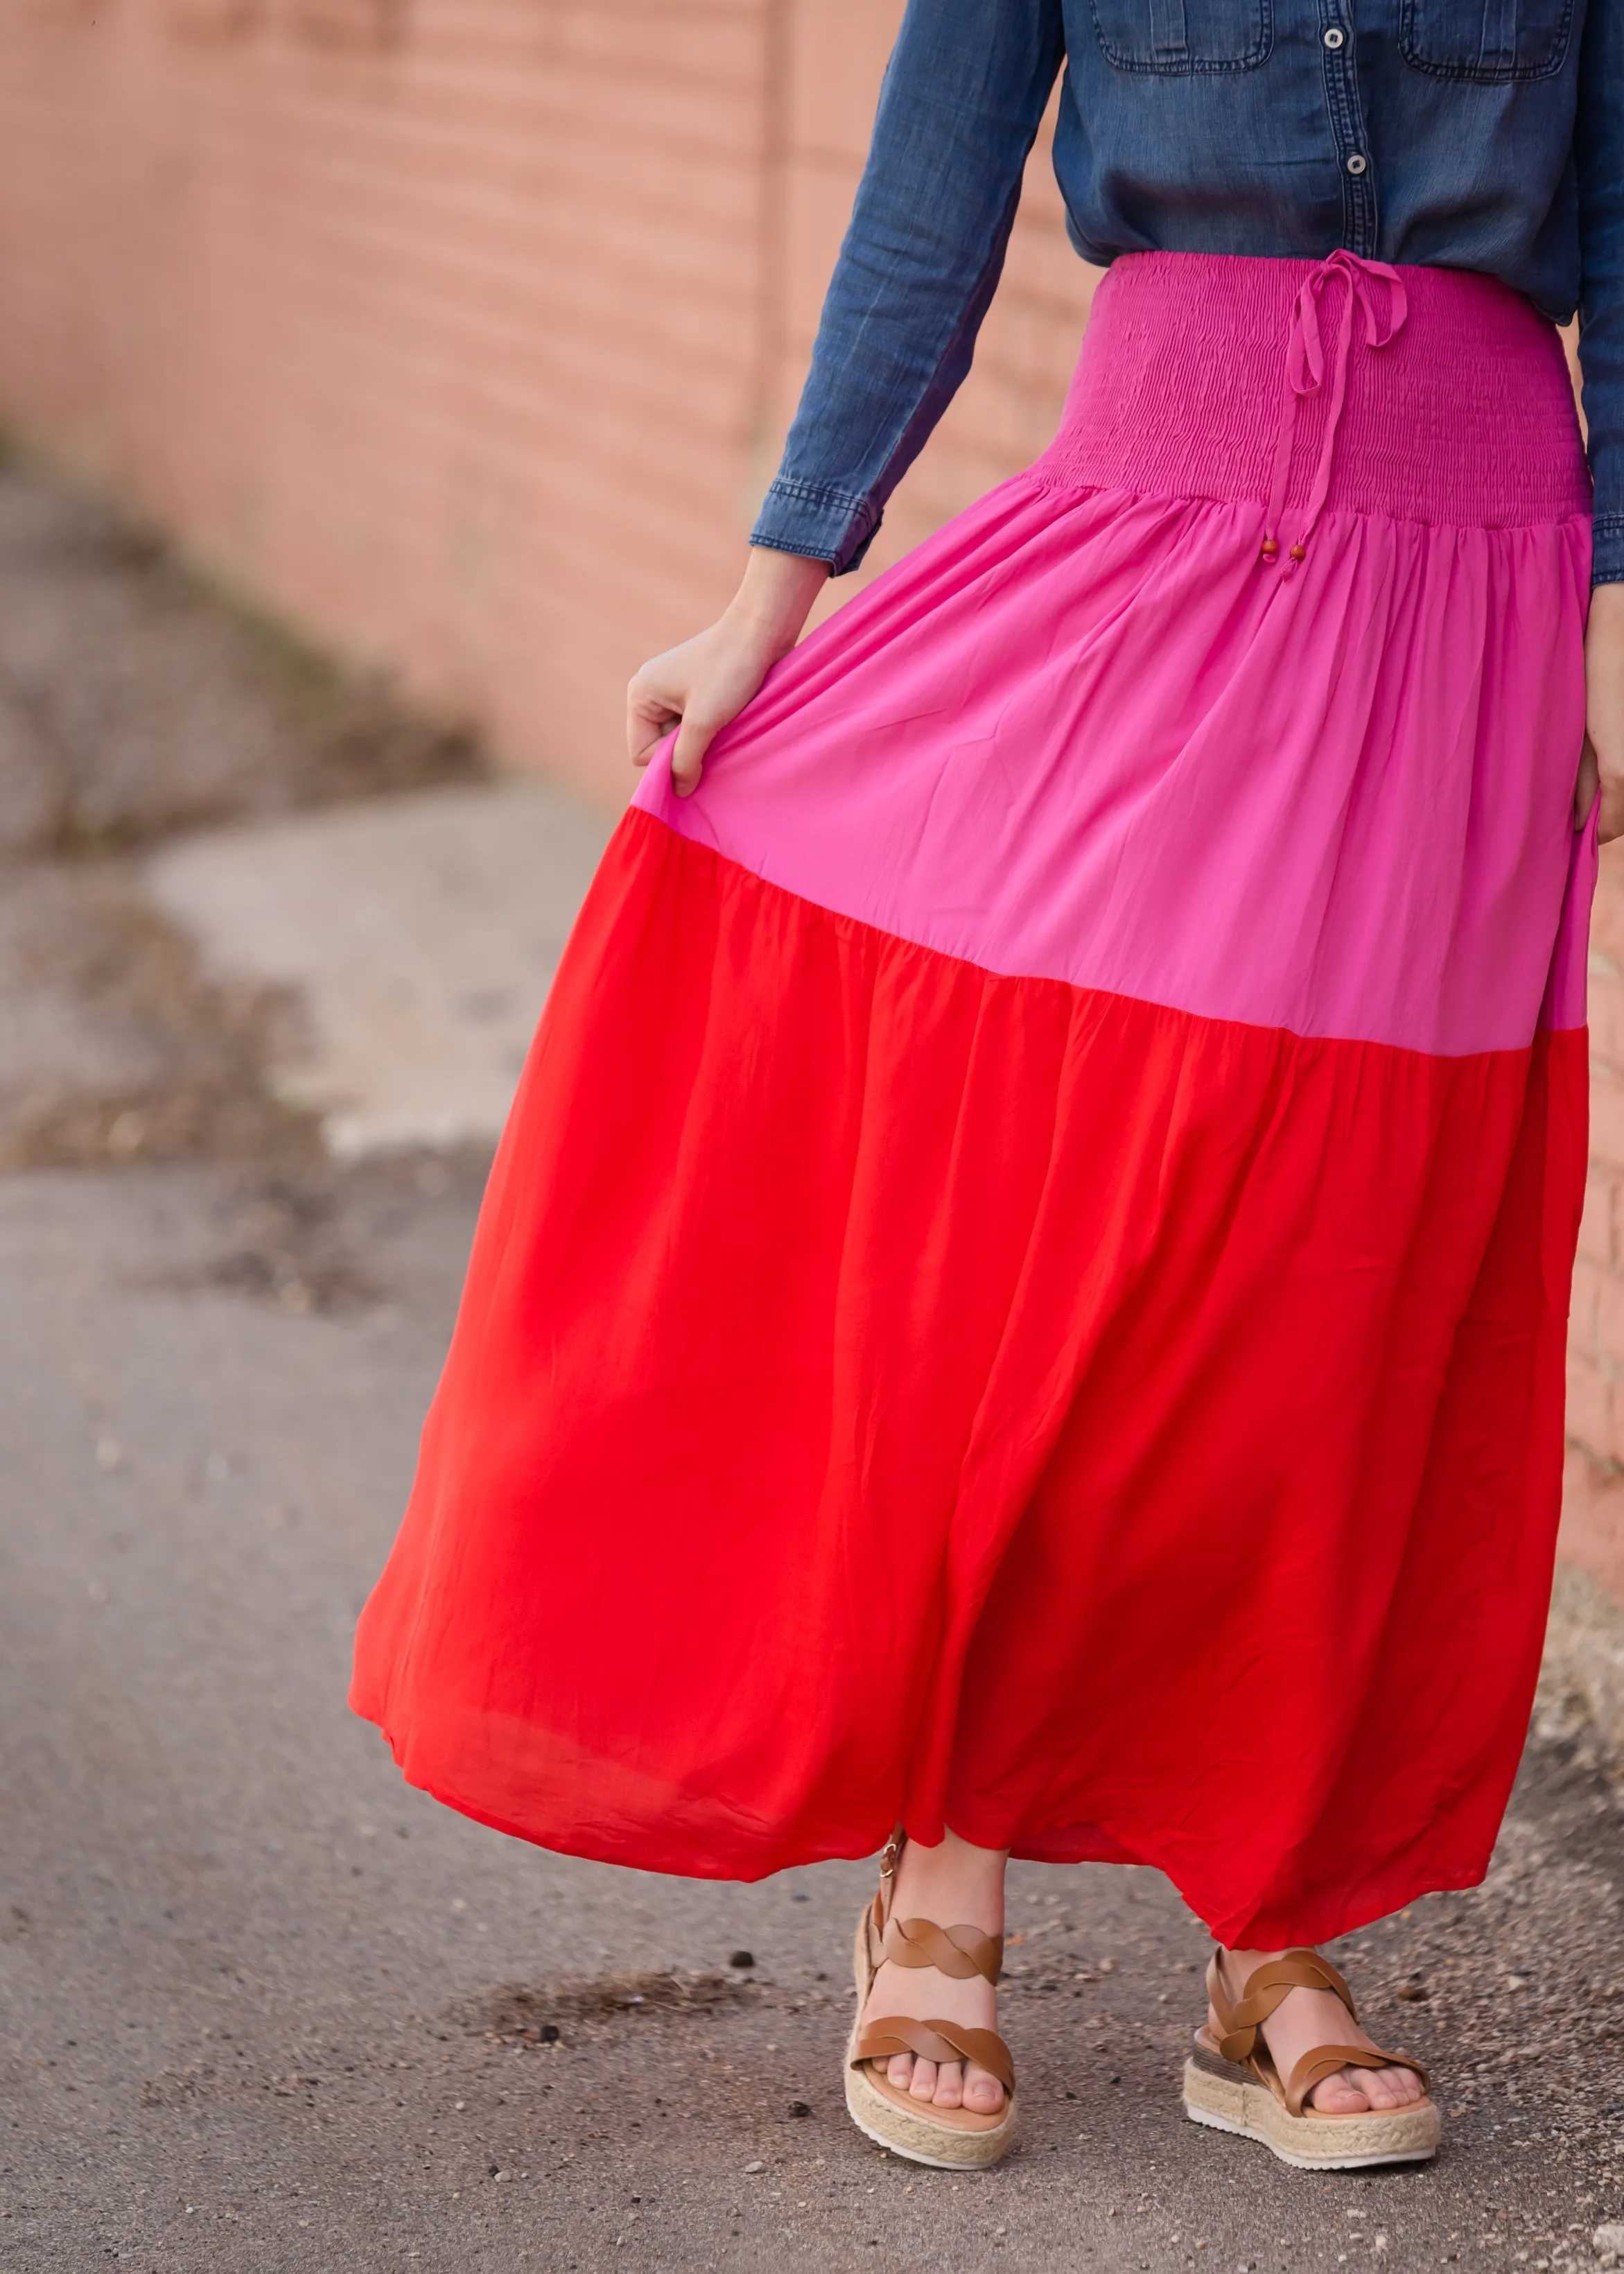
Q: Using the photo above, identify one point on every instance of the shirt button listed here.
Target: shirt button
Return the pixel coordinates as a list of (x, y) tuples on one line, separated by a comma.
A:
[(1334, 36), (1357, 162)]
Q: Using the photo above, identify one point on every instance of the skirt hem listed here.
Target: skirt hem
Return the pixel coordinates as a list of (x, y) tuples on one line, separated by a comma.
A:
[(1323, 1918)]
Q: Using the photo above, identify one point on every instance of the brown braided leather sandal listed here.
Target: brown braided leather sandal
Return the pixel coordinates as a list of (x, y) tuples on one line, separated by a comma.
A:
[(950, 2139), (1258, 2104)]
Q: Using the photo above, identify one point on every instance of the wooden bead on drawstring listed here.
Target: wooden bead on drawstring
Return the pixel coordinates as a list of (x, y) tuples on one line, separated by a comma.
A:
[(1271, 547), (1298, 553)]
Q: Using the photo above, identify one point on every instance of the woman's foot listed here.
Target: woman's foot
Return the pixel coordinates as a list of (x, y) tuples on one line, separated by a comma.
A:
[(1307, 2018), (955, 1884)]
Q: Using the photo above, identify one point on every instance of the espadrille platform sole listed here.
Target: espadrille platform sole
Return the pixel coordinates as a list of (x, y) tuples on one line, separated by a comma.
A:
[(1217, 2094)]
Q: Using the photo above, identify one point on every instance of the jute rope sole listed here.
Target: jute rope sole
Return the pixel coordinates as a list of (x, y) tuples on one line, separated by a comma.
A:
[(1232, 2103), (915, 2137)]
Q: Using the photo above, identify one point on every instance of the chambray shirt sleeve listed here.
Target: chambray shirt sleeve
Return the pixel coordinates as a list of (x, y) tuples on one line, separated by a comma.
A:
[(962, 99), (1598, 151)]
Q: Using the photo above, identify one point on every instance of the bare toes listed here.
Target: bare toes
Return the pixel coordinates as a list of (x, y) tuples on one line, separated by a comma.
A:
[(899, 2070), (981, 2092), (950, 2086), (1342, 2095), (924, 2084)]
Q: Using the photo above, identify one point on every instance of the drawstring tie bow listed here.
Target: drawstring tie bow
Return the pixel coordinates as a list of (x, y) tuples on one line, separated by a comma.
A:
[(1305, 363)]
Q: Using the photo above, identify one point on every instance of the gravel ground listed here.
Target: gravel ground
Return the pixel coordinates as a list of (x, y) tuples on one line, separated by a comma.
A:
[(266, 2009)]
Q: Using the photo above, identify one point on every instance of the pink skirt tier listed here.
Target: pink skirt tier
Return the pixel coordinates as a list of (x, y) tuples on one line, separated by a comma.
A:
[(1170, 775)]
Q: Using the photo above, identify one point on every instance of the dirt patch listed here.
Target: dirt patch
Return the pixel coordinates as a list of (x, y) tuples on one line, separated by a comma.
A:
[(540, 2013), (1581, 1702), (287, 1241), (114, 1047), (136, 701), (137, 698)]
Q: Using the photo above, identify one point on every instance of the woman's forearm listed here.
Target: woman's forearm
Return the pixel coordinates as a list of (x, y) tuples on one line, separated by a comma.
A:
[(961, 104), (776, 595)]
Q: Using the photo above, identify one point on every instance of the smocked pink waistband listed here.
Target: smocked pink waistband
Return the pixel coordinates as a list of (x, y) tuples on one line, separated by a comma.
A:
[(1220, 376)]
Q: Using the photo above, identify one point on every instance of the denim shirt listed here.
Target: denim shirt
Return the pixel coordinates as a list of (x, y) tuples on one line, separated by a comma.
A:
[(1479, 134)]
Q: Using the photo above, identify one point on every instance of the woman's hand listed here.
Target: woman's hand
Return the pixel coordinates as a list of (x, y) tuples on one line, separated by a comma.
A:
[(701, 685), (1602, 765)]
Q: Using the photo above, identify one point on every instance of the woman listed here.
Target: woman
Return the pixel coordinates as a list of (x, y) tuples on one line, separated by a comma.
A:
[(1023, 1296)]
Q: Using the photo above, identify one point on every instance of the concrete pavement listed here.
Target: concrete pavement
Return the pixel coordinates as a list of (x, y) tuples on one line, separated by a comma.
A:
[(420, 933)]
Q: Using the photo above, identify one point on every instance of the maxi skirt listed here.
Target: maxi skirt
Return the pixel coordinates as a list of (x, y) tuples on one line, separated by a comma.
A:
[(1025, 1287)]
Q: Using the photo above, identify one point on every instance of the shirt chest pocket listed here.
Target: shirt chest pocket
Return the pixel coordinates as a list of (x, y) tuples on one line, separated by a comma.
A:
[(1176, 36), (1486, 40)]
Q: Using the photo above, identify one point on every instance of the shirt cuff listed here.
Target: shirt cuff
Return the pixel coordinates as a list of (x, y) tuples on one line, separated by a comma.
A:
[(1607, 549), (818, 522)]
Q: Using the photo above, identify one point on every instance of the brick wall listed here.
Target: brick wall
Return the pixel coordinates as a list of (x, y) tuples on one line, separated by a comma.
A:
[(436, 323), (465, 332)]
